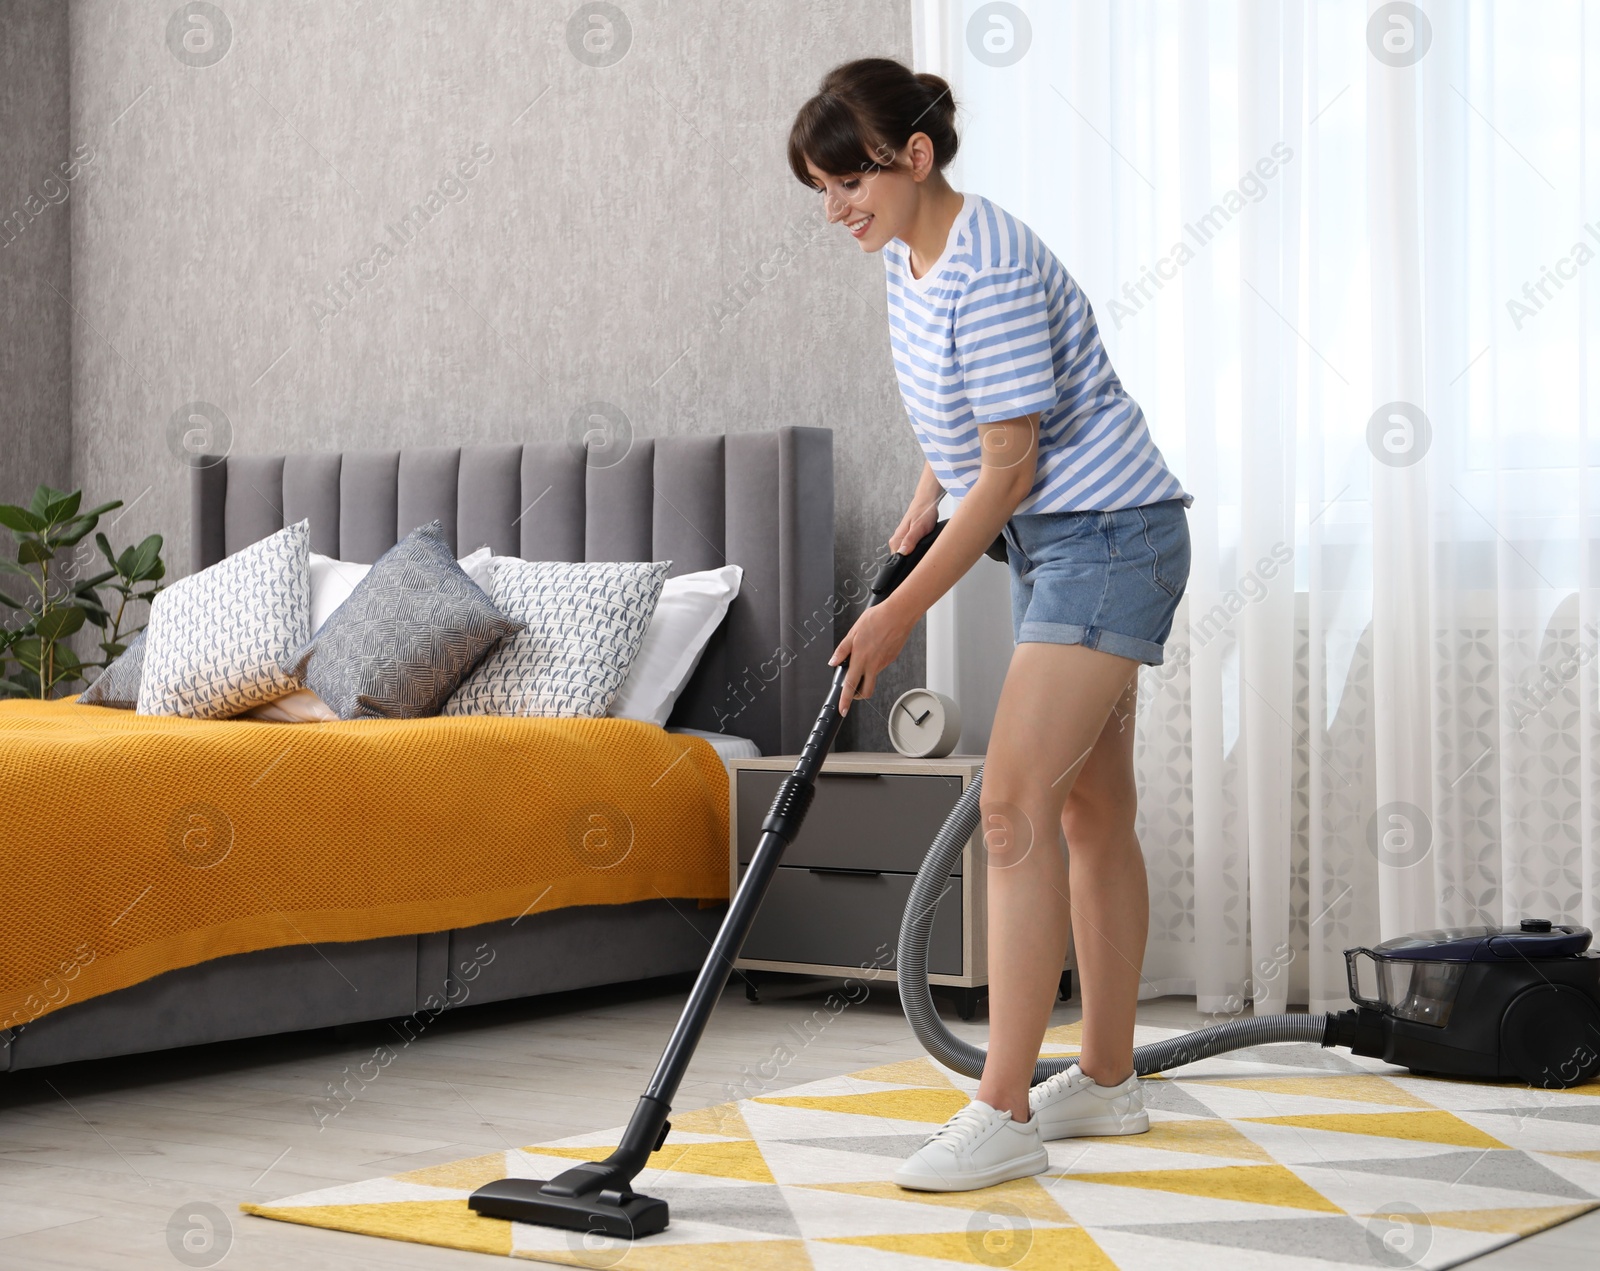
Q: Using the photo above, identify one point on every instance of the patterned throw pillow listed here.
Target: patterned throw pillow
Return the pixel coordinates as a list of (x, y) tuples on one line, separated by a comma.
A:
[(118, 685), (219, 642), (585, 623), (405, 637)]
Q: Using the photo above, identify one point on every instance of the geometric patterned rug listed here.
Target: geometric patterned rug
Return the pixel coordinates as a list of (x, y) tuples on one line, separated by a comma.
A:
[(1282, 1157)]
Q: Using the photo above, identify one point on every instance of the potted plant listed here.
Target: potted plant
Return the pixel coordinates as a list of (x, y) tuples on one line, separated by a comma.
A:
[(57, 599)]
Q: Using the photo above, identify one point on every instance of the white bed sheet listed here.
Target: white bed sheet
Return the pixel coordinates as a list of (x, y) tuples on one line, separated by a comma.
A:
[(727, 746)]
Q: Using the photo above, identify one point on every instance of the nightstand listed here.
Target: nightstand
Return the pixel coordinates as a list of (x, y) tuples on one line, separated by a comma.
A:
[(835, 904)]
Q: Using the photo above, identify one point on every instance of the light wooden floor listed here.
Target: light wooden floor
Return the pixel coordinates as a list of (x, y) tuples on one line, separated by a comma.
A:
[(95, 1158)]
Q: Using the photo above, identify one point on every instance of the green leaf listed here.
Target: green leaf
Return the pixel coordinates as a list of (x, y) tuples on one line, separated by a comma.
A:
[(43, 496), (146, 556), (74, 531), (63, 507), (20, 519), (58, 624), (32, 552), (89, 584), (94, 514)]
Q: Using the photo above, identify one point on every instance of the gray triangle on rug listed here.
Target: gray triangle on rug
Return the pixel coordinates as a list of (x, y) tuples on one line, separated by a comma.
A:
[(1345, 1241), (1169, 1096), (895, 1145), (757, 1207), (1546, 1112), (1511, 1170)]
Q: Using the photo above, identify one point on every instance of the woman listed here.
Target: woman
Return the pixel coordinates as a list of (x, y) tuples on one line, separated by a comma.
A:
[(1025, 424)]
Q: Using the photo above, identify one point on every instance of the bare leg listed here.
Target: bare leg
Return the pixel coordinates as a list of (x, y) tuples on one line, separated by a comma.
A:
[(1053, 708), (1110, 896)]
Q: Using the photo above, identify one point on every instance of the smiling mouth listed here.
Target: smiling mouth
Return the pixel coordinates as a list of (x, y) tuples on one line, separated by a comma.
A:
[(858, 228)]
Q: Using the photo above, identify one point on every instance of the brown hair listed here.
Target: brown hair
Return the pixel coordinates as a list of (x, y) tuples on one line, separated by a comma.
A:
[(863, 115)]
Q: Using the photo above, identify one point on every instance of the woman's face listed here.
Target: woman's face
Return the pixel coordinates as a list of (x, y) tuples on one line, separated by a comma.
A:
[(874, 206)]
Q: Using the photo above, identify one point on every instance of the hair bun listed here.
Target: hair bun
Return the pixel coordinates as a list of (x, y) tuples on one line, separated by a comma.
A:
[(939, 97)]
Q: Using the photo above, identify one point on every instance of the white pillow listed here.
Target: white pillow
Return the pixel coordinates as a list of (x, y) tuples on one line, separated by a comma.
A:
[(332, 580), (220, 641), (300, 707), (689, 611), (584, 625)]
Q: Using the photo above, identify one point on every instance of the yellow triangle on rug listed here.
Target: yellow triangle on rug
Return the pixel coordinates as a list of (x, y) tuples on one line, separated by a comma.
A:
[(1351, 1087), (1027, 1195), (1518, 1222), (908, 1072), (737, 1158), (1420, 1127), (429, 1222), (1203, 1136), (915, 1104), (713, 1255), (996, 1247), (720, 1118), (1252, 1184)]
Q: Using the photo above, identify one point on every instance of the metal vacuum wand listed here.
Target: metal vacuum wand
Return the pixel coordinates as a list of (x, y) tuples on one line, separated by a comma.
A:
[(597, 1196)]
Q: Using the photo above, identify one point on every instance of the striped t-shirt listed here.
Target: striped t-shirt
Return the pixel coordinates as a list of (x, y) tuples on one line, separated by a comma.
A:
[(997, 328)]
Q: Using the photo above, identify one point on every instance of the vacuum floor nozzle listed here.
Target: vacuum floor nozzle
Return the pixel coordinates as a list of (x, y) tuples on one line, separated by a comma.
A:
[(627, 1215)]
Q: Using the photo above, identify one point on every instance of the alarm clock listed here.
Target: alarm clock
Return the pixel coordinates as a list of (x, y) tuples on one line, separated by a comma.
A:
[(924, 724)]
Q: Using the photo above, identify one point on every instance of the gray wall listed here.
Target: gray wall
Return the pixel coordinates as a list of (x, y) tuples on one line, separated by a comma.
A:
[(35, 268), (628, 233)]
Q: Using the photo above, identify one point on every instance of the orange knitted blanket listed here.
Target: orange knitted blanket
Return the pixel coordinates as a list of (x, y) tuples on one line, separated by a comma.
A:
[(132, 845)]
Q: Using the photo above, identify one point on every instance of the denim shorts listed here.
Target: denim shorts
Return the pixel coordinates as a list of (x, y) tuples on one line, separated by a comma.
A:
[(1106, 580)]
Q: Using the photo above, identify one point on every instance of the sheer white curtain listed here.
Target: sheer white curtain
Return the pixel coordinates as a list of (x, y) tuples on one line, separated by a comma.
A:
[(1347, 257)]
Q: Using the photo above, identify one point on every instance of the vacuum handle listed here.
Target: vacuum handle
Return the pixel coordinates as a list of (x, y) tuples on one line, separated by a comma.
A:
[(790, 807), (1354, 978), (894, 571)]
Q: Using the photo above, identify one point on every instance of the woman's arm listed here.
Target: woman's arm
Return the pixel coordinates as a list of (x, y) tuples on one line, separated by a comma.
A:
[(1009, 452)]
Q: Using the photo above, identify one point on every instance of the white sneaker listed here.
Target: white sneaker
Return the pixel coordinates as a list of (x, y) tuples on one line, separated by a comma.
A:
[(1071, 1105), (978, 1147)]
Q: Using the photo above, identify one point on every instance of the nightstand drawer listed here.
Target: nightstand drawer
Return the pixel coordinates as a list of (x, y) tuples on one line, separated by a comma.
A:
[(842, 919), (876, 820)]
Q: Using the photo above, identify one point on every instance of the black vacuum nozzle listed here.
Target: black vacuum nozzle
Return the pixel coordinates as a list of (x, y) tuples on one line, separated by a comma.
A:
[(627, 1215)]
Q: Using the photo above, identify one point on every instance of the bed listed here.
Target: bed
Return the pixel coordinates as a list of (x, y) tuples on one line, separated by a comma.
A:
[(763, 501)]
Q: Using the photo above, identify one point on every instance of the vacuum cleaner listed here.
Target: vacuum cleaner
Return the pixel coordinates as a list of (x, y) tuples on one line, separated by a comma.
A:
[(1491, 1003), (1484, 1002)]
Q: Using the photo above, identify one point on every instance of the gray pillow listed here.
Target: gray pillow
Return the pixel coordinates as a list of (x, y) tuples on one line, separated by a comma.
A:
[(118, 685), (407, 635)]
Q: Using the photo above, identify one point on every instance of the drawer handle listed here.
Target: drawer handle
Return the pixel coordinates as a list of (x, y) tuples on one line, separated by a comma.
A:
[(836, 869)]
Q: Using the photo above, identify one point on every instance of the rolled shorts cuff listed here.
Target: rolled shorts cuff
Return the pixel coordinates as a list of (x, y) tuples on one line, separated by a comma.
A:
[(1113, 642)]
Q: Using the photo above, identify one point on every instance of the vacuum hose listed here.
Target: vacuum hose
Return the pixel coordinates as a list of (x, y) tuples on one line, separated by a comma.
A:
[(911, 964)]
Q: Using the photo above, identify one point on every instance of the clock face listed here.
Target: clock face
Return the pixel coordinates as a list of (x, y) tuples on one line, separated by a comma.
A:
[(923, 723)]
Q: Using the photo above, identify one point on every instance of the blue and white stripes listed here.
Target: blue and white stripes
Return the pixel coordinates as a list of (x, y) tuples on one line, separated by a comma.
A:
[(997, 328)]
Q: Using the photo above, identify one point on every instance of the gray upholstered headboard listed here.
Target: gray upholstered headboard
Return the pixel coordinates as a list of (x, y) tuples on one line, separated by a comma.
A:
[(761, 500)]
